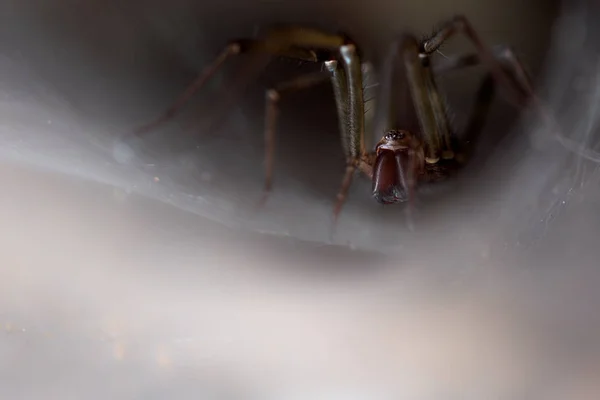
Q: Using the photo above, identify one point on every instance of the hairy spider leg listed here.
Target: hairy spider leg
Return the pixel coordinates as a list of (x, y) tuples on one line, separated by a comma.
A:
[(519, 86), (272, 98), (292, 42), (347, 85), (300, 43), (505, 69), (461, 25), (428, 106), (516, 75), (230, 50), (347, 81)]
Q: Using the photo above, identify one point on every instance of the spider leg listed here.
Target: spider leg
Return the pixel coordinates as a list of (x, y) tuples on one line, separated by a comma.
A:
[(343, 192), (361, 164), (340, 93), (504, 55), (460, 24), (521, 81), (517, 78), (517, 74), (356, 105), (347, 81), (292, 42), (455, 62), (428, 104), (229, 51), (348, 93), (232, 49), (272, 98)]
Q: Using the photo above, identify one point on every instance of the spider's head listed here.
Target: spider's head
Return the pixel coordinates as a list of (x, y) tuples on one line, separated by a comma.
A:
[(396, 163)]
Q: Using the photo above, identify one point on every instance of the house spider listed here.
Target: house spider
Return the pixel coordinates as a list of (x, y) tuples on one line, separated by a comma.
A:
[(401, 159)]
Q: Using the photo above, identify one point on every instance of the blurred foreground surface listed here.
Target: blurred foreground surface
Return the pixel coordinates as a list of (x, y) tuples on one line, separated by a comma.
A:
[(135, 273)]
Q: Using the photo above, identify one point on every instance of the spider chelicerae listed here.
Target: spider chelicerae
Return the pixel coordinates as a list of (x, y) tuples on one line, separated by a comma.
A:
[(401, 159)]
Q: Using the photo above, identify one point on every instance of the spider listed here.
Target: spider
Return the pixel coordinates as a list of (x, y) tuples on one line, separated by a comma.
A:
[(402, 158)]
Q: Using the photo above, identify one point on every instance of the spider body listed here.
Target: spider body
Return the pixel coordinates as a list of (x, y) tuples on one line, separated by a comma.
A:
[(401, 159)]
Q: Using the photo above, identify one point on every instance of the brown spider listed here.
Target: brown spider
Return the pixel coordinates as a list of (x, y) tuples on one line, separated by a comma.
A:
[(401, 159)]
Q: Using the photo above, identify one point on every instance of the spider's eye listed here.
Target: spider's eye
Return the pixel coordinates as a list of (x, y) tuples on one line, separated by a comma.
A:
[(395, 135)]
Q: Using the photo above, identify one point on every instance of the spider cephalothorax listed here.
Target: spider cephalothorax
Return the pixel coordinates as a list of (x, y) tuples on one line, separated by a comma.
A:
[(398, 163)]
